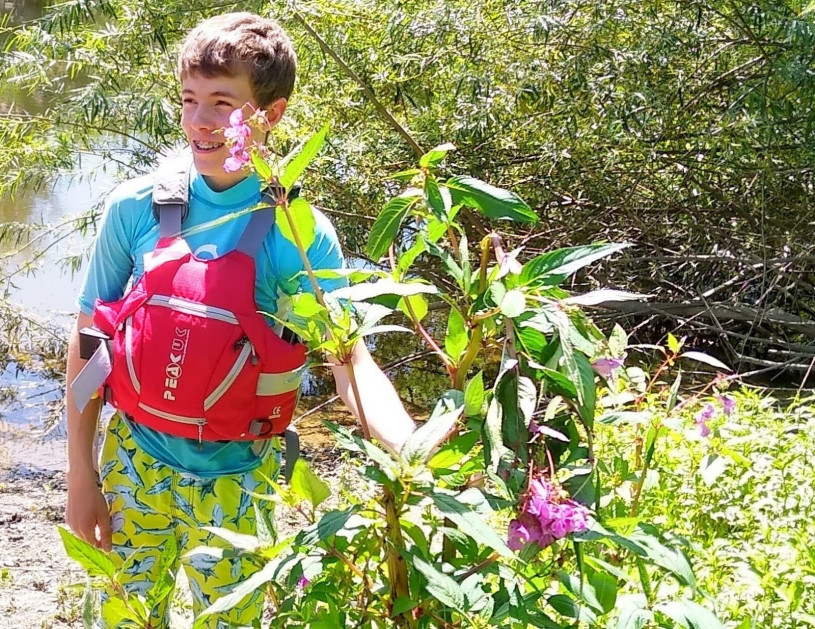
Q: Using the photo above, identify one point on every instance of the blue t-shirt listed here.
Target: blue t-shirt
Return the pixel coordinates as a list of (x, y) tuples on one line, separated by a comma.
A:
[(129, 231)]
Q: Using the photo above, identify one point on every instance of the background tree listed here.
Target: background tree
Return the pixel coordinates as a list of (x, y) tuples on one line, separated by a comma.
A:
[(684, 127)]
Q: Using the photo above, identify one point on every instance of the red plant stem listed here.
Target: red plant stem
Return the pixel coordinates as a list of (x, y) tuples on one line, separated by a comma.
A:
[(431, 342), (318, 293)]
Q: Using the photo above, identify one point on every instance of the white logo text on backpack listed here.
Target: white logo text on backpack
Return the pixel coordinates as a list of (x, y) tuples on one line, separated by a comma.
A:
[(172, 372)]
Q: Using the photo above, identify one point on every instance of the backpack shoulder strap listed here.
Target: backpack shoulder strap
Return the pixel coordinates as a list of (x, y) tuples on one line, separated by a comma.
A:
[(171, 186), (261, 222)]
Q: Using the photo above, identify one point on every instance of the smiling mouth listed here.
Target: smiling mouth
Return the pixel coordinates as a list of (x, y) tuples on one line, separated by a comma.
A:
[(207, 146)]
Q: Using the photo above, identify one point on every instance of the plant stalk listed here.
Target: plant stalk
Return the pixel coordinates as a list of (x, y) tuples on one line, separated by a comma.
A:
[(397, 569)]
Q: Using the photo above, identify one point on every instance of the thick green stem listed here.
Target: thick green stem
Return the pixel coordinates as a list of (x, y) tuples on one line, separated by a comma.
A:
[(397, 569)]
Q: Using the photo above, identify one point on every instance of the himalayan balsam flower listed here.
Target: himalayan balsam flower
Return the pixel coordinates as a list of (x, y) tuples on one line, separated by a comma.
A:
[(606, 367), (545, 516), (728, 404), (236, 136), (701, 418)]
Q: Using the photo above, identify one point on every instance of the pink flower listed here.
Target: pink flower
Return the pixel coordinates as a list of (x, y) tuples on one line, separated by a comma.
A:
[(545, 516), (728, 404), (606, 367), (236, 162), (236, 117), (701, 418)]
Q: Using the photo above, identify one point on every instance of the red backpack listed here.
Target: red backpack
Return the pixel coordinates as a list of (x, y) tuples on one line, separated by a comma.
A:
[(189, 354)]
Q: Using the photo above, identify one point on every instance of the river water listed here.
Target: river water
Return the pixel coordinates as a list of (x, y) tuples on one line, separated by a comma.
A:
[(40, 286)]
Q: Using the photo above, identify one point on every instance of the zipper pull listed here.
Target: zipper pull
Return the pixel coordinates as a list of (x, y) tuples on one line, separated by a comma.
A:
[(254, 355), (200, 433)]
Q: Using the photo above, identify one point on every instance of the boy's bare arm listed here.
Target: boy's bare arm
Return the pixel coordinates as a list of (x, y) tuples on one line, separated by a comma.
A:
[(86, 511), (387, 419)]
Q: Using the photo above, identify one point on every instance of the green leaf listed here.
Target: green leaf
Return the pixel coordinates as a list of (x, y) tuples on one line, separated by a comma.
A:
[(263, 169), (489, 200), (513, 304), (617, 341), (302, 217), (329, 525), (300, 158), (95, 561), (633, 612), (553, 267), (587, 392), (241, 542), (403, 604), (708, 360), (239, 592), (454, 450), (370, 290), (165, 582), (674, 345), (307, 485), (440, 586), (713, 466), (474, 395), (456, 339), (492, 434), (633, 418), (428, 436), (605, 590), (434, 156), (417, 303), (387, 224), (690, 615), (569, 608), (672, 559), (471, 523), (407, 258), (437, 198), (355, 276)]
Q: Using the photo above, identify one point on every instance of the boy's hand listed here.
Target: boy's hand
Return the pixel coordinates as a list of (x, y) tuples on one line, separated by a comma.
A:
[(87, 513)]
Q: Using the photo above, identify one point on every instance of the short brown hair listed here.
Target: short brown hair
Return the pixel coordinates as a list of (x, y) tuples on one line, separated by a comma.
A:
[(242, 42)]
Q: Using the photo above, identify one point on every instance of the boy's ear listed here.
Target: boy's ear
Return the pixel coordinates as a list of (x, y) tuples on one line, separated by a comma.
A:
[(275, 111)]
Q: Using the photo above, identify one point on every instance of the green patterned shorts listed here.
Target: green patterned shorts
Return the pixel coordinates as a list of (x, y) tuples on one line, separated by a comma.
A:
[(151, 502)]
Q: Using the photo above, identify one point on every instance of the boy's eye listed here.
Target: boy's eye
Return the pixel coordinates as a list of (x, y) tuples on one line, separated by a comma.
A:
[(223, 103), (187, 101)]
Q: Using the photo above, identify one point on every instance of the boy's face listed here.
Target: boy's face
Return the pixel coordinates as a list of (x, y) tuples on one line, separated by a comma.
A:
[(207, 103)]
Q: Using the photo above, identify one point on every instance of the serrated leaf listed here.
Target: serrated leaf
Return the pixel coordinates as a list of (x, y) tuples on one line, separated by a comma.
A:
[(456, 339), (553, 267), (471, 523), (263, 169), (428, 436), (672, 559), (386, 286), (605, 590), (307, 485), (387, 224), (453, 451), (708, 360), (633, 612), (241, 542), (490, 200), (435, 155), (440, 586), (603, 295), (617, 341), (474, 395), (690, 615), (299, 159), (438, 198), (329, 525), (302, 220), (95, 561)]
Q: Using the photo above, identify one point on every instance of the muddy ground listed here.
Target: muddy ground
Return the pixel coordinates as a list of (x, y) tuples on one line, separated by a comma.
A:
[(35, 573)]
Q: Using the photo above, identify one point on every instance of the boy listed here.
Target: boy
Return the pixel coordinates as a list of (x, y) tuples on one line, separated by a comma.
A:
[(156, 485)]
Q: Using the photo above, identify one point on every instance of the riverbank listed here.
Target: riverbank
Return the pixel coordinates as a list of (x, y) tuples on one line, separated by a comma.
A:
[(36, 576)]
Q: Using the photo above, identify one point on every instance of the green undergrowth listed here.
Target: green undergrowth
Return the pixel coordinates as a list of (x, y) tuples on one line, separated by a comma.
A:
[(740, 498)]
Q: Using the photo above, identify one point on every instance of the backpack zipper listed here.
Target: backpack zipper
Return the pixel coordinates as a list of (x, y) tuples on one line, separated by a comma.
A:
[(246, 349), (181, 419), (193, 308), (131, 370)]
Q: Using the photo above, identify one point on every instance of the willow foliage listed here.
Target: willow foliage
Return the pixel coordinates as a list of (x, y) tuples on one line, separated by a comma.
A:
[(684, 126)]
